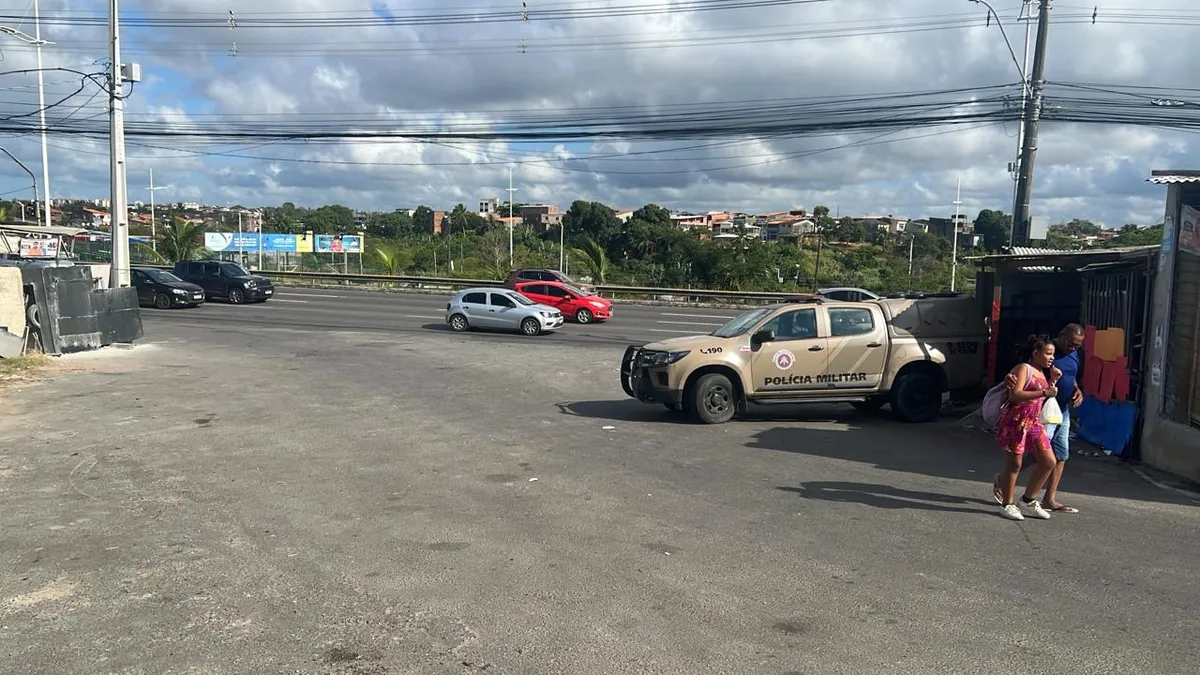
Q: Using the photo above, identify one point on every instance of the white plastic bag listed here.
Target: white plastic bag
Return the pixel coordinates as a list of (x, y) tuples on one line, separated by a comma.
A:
[(1051, 412)]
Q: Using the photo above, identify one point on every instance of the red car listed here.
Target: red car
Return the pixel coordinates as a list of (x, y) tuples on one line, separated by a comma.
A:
[(573, 302)]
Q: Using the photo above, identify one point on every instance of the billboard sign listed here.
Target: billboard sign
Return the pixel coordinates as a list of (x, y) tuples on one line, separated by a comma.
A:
[(338, 243), (230, 241), (39, 248)]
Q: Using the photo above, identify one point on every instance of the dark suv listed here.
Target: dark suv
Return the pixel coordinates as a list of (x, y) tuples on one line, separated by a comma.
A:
[(522, 275), (226, 280)]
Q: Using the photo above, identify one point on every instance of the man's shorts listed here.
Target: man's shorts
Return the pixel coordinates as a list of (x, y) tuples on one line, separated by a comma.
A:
[(1060, 437)]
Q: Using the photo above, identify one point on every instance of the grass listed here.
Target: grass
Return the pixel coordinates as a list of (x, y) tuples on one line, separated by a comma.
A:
[(22, 368)]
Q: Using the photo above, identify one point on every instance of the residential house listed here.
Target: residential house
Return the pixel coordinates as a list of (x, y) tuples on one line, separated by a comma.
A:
[(624, 215), (691, 221), (96, 219)]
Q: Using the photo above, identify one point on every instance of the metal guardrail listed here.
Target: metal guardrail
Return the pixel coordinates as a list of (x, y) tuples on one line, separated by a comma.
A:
[(454, 283)]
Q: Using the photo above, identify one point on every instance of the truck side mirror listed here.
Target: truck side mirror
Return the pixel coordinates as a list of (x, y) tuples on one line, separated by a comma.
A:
[(762, 337)]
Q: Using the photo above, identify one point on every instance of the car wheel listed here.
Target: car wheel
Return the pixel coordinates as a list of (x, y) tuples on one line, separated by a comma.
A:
[(917, 397), (531, 327), (712, 399), (872, 404), (458, 323), (583, 316), (237, 296), (161, 301)]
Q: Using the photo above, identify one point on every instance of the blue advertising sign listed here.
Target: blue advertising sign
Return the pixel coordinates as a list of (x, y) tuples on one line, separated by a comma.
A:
[(282, 243), (229, 241), (338, 243)]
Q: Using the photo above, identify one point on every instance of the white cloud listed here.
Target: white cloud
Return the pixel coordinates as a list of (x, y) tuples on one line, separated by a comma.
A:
[(438, 76)]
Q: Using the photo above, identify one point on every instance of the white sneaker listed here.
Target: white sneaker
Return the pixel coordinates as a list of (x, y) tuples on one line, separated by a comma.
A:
[(1034, 509), (1012, 512)]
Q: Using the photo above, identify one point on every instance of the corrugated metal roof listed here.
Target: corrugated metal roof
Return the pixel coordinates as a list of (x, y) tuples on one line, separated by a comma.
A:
[(1166, 177), (1029, 250)]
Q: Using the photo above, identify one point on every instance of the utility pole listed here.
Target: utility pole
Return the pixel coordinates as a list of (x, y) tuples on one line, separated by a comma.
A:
[(37, 34), (954, 244), (511, 190), (32, 181), (1025, 17), (118, 205), (562, 245), (1032, 114), (912, 238)]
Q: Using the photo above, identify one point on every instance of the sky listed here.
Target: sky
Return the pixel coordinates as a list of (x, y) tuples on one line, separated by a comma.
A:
[(481, 71)]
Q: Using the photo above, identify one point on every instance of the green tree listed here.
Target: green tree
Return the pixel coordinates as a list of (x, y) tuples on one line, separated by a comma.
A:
[(393, 259), (1133, 235), (422, 219), (179, 240), (653, 214), (595, 221), (995, 227), (1077, 228), (594, 259)]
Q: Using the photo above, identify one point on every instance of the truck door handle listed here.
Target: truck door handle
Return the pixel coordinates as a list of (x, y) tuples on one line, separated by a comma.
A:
[(816, 348), (873, 345)]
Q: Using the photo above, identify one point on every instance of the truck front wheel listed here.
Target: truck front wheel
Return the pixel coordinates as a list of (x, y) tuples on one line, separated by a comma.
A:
[(711, 399), (917, 397)]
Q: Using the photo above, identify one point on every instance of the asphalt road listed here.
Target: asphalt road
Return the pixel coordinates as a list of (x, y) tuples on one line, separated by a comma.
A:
[(358, 310), (238, 497)]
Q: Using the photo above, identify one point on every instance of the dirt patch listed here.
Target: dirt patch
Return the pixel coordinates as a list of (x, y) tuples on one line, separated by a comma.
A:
[(58, 590)]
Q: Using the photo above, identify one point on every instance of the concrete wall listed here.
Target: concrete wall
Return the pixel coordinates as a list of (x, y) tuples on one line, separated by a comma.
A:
[(12, 301), (1166, 445)]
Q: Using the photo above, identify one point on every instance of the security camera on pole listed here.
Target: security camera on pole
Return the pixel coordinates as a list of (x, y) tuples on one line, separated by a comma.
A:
[(119, 204)]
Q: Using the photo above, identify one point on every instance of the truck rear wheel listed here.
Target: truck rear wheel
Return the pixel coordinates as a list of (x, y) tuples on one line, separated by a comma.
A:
[(917, 397), (712, 399)]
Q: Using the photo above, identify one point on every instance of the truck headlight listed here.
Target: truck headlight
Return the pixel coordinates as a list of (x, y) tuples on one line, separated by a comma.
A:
[(662, 358)]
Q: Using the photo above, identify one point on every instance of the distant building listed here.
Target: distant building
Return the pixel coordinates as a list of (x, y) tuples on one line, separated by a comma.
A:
[(438, 223), (489, 207), (541, 217), (624, 215), (945, 227)]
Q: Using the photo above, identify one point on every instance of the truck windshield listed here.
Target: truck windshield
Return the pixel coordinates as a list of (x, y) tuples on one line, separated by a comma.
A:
[(742, 323)]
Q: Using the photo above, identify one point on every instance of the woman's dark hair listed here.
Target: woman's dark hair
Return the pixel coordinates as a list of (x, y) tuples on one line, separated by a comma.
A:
[(1037, 343)]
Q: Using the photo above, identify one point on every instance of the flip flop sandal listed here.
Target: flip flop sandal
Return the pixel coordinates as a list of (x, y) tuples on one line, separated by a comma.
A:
[(1063, 508)]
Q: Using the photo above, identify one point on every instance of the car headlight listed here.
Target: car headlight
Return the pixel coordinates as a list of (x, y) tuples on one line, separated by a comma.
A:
[(662, 358), (178, 291), (597, 305), (251, 284)]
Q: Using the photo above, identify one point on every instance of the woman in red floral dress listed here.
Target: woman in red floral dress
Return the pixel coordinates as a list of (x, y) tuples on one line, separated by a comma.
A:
[(1020, 431)]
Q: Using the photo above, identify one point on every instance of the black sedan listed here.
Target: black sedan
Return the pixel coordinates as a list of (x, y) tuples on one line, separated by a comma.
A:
[(163, 289)]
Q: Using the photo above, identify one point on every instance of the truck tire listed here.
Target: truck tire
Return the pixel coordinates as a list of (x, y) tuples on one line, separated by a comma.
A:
[(712, 399), (917, 397)]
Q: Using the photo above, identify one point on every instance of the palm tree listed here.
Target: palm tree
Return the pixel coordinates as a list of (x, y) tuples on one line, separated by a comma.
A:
[(179, 240), (594, 259), (393, 259)]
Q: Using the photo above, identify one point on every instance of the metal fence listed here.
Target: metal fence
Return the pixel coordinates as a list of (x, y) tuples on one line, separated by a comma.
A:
[(451, 284)]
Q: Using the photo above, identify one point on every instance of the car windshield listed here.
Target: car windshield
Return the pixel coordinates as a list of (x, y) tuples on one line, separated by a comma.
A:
[(162, 276), (520, 299), (742, 323), (234, 269)]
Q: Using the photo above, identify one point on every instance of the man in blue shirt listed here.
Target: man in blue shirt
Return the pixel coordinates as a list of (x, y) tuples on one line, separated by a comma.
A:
[(1068, 360)]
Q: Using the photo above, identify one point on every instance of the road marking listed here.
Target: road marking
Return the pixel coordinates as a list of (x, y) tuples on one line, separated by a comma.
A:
[(316, 295), (677, 332), (303, 302), (699, 316), (690, 323), (419, 316)]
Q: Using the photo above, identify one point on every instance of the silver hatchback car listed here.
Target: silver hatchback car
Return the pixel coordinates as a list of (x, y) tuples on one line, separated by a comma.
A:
[(500, 309)]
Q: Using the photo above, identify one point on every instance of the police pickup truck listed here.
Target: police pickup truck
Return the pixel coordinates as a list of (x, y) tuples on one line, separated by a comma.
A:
[(901, 351)]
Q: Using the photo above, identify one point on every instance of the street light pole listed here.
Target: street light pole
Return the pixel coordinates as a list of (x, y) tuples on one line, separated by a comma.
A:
[(153, 230), (511, 190), (32, 178), (954, 253)]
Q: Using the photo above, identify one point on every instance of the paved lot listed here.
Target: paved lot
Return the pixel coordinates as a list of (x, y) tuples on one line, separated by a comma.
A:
[(254, 499)]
